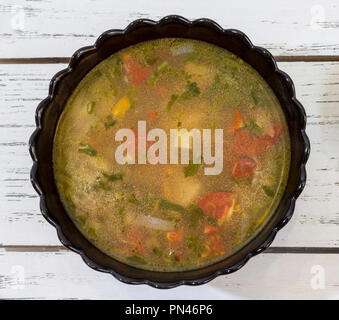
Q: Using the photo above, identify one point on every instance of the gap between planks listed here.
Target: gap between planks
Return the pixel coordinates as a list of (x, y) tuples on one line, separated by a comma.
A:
[(270, 250), (50, 60)]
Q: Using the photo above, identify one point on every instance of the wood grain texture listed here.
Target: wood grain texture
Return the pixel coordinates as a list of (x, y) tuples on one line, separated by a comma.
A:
[(316, 219), (57, 275), (57, 28)]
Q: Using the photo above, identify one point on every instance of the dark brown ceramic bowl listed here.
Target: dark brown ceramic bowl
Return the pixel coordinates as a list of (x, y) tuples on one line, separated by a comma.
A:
[(64, 82)]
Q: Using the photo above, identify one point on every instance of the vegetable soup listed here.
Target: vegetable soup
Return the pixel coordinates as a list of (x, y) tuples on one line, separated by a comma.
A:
[(171, 216)]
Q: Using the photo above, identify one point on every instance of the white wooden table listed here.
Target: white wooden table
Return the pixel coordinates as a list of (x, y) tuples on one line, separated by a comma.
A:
[(36, 39)]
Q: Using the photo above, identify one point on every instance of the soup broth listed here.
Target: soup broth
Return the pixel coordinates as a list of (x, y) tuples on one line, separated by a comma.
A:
[(171, 217)]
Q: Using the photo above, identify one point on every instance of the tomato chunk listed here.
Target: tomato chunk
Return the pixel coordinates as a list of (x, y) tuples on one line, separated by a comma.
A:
[(214, 246), (245, 143), (244, 167), (218, 204), (136, 73)]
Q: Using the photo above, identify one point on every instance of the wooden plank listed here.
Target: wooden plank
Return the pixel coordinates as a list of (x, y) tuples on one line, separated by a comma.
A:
[(58, 275), (58, 28), (316, 220)]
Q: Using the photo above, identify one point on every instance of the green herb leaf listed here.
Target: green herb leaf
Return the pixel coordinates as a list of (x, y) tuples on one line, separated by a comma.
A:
[(121, 214), (163, 66), (113, 177), (87, 149), (191, 169), (110, 122), (104, 182), (268, 191), (252, 126), (173, 99), (151, 61), (132, 199), (192, 90), (157, 252), (92, 233), (235, 180), (195, 214), (193, 243), (212, 220), (117, 67), (162, 69), (167, 205)]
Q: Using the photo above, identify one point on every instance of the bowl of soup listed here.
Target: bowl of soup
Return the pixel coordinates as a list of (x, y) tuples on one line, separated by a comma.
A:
[(169, 152)]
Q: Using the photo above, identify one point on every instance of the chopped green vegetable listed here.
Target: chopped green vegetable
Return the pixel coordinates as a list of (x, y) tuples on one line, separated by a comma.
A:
[(192, 90), (195, 214), (252, 126), (193, 243), (90, 106), (121, 214), (110, 122), (113, 177), (268, 191), (162, 69), (132, 199), (212, 220), (87, 149), (157, 252), (101, 184), (191, 169), (92, 233), (104, 182), (97, 73), (173, 99), (235, 180), (167, 205), (136, 259), (151, 61), (186, 75), (218, 84), (117, 67), (163, 66)]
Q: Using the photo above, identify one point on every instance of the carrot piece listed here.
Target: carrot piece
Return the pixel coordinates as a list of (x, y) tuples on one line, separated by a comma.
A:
[(238, 121), (174, 236)]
